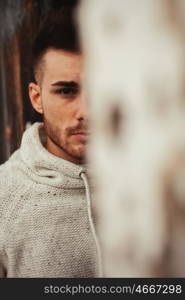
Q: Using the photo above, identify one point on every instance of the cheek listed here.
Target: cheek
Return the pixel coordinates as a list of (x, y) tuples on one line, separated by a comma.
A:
[(52, 111), (57, 113), (57, 110), (53, 108)]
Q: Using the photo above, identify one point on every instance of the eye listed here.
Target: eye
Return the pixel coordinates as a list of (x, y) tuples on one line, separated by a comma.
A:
[(67, 91)]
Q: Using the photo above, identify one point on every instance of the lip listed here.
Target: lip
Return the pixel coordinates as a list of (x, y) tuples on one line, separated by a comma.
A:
[(82, 136), (81, 133)]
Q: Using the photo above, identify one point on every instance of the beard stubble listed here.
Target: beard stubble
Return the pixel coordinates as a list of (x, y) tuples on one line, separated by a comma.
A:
[(61, 139)]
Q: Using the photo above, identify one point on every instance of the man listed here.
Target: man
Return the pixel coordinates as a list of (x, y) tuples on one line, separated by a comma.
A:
[(46, 222)]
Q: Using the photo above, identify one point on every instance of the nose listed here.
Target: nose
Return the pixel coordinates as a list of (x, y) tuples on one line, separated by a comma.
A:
[(82, 111)]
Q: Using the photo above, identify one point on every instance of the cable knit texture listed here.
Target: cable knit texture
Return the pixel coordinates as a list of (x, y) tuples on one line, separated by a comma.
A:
[(44, 225)]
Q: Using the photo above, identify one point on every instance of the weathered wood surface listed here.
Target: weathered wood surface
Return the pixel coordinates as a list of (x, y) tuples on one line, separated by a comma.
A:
[(19, 22)]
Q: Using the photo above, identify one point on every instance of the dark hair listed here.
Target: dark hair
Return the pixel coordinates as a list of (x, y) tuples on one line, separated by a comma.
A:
[(57, 30)]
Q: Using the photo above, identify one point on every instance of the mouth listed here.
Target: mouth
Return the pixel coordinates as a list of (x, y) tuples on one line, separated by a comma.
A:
[(82, 135)]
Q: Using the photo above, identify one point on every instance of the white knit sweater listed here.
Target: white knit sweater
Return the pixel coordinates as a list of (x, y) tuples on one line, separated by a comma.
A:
[(46, 228)]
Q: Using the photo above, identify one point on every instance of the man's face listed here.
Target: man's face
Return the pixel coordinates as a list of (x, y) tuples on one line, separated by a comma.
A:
[(61, 100)]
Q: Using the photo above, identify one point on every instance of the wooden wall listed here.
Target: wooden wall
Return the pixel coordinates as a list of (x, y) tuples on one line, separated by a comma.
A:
[(19, 22)]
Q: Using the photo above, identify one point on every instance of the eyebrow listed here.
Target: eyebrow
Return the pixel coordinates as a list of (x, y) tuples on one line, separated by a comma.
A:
[(65, 83)]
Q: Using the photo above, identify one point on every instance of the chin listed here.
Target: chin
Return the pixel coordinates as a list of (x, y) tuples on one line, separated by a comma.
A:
[(80, 157)]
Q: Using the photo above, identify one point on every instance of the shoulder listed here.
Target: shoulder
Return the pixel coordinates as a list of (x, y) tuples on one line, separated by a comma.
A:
[(12, 182), (9, 170)]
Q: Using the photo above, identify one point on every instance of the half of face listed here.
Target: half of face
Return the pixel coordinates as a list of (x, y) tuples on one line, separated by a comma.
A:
[(60, 98)]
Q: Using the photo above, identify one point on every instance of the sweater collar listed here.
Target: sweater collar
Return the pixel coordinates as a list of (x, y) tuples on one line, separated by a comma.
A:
[(45, 167)]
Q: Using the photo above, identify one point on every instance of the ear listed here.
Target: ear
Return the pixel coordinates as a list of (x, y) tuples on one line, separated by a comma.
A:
[(35, 97)]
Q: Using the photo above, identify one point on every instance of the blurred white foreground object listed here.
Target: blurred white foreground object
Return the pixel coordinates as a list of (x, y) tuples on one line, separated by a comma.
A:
[(135, 69)]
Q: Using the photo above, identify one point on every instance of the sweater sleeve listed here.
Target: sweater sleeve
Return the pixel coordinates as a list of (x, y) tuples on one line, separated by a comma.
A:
[(3, 258), (4, 198), (2, 269)]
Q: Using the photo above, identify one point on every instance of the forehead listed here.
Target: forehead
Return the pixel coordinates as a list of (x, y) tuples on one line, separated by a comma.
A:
[(62, 65)]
